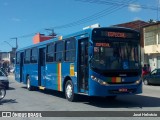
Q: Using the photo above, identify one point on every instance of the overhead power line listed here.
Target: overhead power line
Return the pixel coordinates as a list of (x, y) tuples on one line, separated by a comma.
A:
[(95, 16), (114, 6), (92, 17), (118, 3)]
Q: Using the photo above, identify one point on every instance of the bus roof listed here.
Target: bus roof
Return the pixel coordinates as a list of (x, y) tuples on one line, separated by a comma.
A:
[(82, 32), (87, 31)]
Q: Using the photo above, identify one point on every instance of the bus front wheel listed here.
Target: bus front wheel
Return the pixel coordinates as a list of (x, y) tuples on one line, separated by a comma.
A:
[(69, 91)]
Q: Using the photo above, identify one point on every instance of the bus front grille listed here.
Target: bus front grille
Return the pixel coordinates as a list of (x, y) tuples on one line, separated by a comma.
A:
[(115, 83)]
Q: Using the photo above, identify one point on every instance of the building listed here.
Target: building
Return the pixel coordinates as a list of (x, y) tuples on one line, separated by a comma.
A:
[(4, 59), (12, 56), (7, 58), (152, 44), (41, 37)]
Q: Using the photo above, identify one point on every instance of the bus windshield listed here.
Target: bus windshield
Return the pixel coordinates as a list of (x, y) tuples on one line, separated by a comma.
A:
[(116, 56)]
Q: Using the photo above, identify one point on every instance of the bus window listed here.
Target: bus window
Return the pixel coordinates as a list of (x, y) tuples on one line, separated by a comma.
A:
[(27, 56), (70, 50), (118, 55), (50, 53), (34, 56), (59, 51)]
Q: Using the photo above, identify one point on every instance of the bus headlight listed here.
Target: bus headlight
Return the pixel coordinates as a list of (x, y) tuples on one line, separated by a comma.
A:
[(138, 81), (101, 82)]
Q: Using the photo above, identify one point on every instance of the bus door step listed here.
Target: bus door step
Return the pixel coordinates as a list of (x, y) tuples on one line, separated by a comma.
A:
[(83, 93), (41, 87)]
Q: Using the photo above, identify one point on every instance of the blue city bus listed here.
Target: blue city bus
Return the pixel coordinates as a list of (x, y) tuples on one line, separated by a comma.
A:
[(102, 61)]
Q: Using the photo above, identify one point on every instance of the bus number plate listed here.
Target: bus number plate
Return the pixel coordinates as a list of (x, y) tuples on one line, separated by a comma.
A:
[(123, 90)]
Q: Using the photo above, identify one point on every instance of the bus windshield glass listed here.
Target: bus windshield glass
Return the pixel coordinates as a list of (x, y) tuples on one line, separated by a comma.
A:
[(116, 56)]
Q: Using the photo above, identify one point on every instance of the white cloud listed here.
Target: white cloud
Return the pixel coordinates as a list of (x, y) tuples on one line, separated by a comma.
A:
[(137, 18), (134, 7), (16, 19)]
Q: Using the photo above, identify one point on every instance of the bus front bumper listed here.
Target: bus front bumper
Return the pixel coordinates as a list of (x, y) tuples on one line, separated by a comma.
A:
[(115, 89)]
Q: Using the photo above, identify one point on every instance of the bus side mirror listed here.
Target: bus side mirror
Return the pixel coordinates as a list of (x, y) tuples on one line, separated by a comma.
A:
[(90, 50)]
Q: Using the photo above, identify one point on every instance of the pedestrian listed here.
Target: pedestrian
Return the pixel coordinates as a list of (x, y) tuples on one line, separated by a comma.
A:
[(144, 70), (148, 68)]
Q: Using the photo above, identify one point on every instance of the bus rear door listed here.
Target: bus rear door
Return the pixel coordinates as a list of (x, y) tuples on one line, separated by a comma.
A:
[(21, 66), (41, 68)]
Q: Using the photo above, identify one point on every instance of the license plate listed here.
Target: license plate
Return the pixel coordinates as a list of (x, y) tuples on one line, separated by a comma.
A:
[(123, 90)]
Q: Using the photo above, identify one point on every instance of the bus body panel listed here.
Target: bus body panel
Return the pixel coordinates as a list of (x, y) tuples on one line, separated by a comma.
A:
[(30, 70), (51, 72), (17, 73), (43, 76), (34, 75), (55, 74)]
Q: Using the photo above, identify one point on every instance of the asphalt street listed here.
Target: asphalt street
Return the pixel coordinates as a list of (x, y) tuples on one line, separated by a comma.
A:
[(18, 98)]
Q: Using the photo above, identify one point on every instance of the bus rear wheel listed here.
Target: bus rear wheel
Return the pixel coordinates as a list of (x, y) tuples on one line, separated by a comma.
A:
[(69, 91)]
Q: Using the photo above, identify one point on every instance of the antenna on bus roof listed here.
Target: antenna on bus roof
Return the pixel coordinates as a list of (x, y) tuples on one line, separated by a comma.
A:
[(92, 26)]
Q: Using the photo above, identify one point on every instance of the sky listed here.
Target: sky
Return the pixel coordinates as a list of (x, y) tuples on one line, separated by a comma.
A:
[(24, 18)]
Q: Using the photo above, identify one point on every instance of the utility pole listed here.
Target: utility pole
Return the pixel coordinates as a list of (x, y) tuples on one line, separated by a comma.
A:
[(52, 32), (16, 42)]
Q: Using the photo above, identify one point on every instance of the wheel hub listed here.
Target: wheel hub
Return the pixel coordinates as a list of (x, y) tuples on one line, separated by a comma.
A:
[(69, 91)]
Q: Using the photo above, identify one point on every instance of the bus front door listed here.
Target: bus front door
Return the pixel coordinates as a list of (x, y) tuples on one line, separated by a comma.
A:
[(41, 67), (83, 65)]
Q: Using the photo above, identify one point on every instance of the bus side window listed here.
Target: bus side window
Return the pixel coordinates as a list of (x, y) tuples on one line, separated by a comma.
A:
[(70, 50), (50, 53), (27, 56), (59, 51), (34, 56)]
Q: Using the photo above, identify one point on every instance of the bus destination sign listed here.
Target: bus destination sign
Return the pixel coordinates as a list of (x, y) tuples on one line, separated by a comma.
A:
[(102, 44), (116, 34), (123, 35)]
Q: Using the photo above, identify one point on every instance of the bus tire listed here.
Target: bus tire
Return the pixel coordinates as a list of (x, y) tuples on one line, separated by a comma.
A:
[(69, 91), (29, 83)]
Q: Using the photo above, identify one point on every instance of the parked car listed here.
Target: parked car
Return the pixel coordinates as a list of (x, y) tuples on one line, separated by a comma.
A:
[(152, 78), (4, 71), (2, 91), (4, 79)]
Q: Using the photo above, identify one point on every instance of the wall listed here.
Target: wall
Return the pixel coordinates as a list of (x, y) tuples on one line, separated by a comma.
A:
[(152, 45)]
